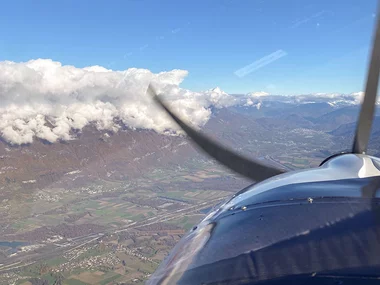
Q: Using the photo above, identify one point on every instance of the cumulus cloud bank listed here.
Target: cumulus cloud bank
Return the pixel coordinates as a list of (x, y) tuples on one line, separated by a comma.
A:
[(41, 98), (44, 99)]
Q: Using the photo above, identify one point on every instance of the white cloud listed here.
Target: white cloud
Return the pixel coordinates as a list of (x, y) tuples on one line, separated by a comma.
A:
[(258, 99), (249, 102), (359, 96), (258, 94), (44, 99), (219, 98), (335, 99)]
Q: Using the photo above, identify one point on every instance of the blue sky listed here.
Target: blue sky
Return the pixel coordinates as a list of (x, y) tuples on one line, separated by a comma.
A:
[(326, 42)]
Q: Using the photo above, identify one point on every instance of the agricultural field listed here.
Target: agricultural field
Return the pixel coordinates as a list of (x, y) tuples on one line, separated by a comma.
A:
[(110, 232)]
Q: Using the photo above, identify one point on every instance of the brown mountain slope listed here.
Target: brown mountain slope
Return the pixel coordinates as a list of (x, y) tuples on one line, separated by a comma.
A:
[(92, 155)]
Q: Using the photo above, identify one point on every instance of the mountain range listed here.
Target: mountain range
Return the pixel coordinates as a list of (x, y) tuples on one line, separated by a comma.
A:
[(270, 127)]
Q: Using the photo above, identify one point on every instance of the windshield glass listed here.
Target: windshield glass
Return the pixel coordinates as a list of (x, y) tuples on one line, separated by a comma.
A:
[(97, 183)]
